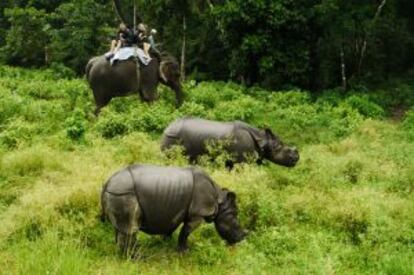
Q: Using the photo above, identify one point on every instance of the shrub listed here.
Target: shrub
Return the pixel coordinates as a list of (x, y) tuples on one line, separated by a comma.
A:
[(344, 120), (281, 100), (153, 118), (75, 125), (243, 109), (192, 109), (211, 93), (16, 133), (365, 106), (60, 71), (111, 125)]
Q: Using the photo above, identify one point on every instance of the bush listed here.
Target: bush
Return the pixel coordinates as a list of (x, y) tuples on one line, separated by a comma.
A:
[(211, 93), (153, 119), (16, 133), (365, 107), (60, 71), (111, 125), (281, 100), (75, 125), (243, 109), (192, 109)]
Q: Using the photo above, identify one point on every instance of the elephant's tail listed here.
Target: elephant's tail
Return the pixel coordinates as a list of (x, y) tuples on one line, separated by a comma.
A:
[(89, 67)]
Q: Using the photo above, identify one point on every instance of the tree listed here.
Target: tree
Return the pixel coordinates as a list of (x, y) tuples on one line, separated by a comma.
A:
[(81, 30), (27, 37)]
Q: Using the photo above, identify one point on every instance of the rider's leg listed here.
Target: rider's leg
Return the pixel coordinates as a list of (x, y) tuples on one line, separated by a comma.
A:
[(113, 45), (118, 46), (111, 52), (146, 49)]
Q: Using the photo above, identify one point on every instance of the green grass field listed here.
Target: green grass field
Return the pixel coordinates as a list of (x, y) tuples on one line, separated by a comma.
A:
[(346, 208)]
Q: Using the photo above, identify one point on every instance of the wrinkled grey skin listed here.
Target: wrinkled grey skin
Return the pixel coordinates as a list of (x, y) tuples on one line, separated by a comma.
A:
[(157, 200), (194, 133), (121, 79)]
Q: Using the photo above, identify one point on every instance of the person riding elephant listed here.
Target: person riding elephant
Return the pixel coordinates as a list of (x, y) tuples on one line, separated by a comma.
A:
[(125, 38), (142, 38)]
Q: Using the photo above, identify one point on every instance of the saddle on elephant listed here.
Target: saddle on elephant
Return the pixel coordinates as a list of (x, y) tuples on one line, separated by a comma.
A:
[(126, 53)]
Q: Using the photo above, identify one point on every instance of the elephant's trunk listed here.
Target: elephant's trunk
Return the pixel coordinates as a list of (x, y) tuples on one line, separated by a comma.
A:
[(179, 95)]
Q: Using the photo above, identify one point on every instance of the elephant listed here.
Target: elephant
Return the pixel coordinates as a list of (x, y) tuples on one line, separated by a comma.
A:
[(121, 79), (157, 199), (195, 134)]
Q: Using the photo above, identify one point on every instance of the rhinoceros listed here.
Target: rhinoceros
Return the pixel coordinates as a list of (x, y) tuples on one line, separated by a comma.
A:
[(194, 134), (156, 200)]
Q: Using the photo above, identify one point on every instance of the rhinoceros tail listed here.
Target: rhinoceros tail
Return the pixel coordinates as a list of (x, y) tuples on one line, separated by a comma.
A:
[(102, 215)]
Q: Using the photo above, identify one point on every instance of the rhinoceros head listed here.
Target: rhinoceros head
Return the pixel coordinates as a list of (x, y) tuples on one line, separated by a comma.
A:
[(226, 222), (275, 150)]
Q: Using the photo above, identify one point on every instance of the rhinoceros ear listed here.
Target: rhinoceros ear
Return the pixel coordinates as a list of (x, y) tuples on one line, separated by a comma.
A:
[(231, 196), (227, 195), (222, 195), (260, 137), (269, 134)]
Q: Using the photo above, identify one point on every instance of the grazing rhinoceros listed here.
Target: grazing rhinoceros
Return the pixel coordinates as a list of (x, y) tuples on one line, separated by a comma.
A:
[(157, 200), (194, 133)]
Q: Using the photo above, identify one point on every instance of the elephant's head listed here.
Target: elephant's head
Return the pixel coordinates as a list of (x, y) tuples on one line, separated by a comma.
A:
[(273, 149), (170, 76), (226, 222)]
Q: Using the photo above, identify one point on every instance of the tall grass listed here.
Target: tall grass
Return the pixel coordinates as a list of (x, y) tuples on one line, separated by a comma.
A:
[(347, 206)]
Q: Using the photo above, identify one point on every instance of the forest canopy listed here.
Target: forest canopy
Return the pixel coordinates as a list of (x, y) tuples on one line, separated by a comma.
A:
[(310, 44)]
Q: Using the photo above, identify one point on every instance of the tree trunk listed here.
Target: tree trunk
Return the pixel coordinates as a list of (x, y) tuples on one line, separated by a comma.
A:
[(182, 69), (314, 84), (364, 44), (343, 68), (47, 57)]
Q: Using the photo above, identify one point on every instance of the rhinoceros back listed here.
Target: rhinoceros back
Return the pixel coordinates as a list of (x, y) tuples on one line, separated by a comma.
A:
[(164, 195), (194, 133)]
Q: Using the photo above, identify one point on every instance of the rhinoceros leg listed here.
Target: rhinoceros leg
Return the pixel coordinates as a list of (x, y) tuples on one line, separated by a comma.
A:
[(187, 228), (127, 244), (125, 215)]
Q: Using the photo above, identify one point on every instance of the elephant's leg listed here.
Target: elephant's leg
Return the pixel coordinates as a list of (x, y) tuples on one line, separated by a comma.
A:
[(187, 228), (149, 81), (100, 100)]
